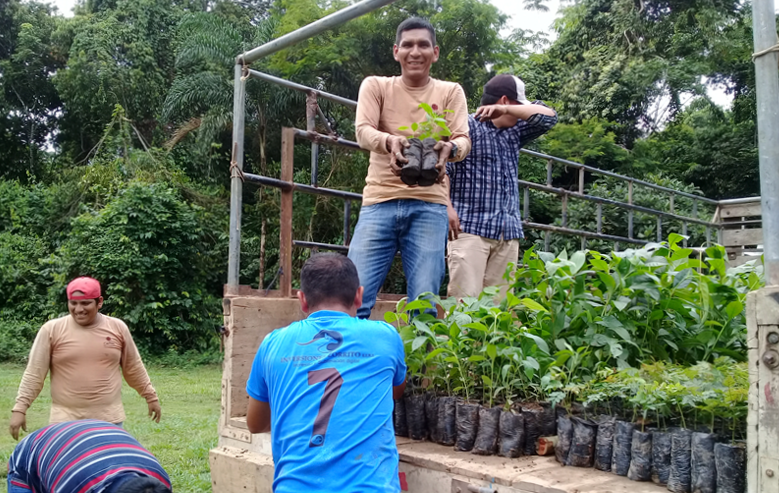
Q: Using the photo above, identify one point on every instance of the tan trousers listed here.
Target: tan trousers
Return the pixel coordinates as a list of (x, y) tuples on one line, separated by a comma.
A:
[(476, 262)]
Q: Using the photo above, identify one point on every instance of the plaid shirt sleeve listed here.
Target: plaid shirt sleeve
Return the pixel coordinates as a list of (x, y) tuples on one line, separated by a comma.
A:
[(535, 126)]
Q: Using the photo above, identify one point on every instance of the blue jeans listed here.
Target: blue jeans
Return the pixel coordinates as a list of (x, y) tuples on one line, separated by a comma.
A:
[(418, 229)]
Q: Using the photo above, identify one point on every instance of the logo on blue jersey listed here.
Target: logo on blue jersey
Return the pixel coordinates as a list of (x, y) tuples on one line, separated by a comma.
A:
[(332, 340)]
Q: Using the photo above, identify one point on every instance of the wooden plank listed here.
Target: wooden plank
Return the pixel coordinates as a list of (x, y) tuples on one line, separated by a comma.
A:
[(237, 434), (767, 316), (529, 473), (739, 237), (751, 209), (753, 461), (239, 401), (239, 423), (285, 246), (239, 471)]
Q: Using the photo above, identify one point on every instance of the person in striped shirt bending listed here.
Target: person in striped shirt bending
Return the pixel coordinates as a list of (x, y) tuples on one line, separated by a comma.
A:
[(484, 190), (87, 456)]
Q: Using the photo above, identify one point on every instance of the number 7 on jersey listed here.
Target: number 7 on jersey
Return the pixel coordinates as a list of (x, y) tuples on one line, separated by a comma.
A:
[(332, 387)]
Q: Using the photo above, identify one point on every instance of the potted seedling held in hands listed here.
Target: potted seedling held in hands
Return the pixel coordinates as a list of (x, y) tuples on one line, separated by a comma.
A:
[(422, 157)]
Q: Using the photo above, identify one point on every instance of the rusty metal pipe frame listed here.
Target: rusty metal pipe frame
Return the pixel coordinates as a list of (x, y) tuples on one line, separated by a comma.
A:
[(299, 187), (598, 171), (300, 88), (623, 205), (309, 31)]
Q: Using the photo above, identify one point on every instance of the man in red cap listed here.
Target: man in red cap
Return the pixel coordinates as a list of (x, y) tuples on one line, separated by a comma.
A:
[(87, 353)]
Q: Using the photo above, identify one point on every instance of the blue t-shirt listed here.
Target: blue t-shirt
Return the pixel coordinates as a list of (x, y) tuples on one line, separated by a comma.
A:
[(329, 382)]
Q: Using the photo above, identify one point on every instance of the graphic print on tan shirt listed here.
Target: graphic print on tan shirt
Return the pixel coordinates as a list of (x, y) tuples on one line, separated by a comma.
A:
[(86, 365), (384, 105)]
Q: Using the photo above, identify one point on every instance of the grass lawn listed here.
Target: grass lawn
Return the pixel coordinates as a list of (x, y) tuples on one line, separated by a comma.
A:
[(190, 400)]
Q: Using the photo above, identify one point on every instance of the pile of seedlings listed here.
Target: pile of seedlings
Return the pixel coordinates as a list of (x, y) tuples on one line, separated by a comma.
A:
[(679, 426), (563, 355)]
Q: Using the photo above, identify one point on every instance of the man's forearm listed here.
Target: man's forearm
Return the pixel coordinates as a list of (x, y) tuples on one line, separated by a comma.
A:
[(372, 139), (525, 111)]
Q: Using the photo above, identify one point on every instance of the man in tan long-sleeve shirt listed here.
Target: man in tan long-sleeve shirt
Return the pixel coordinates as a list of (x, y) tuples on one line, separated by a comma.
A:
[(395, 216), (87, 353)]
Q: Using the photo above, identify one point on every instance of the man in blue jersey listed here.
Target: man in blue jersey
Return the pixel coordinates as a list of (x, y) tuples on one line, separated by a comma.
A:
[(324, 388), (85, 456)]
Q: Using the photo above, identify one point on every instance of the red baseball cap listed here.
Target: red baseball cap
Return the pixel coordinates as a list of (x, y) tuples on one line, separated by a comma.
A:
[(90, 287)]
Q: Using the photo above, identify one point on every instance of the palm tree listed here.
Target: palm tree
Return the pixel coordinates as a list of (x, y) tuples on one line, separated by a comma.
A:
[(201, 97)]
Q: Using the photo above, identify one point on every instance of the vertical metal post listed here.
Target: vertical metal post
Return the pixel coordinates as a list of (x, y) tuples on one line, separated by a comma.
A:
[(630, 212), (659, 229), (767, 87), (584, 243), (236, 184), (616, 246), (311, 107), (565, 211), (708, 236), (673, 208), (546, 241), (695, 208), (285, 240), (526, 203), (581, 181), (549, 172), (600, 217), (347, 221), (684, 233)]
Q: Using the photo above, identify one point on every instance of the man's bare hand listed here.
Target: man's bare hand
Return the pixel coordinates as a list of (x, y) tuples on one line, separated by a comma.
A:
[(454, 223), (395, 146), (155, 411), (18, 420), (491, 112), (444, 150)]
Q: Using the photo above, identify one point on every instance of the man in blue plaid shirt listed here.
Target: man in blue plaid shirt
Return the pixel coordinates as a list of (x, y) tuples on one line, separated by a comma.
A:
[(484, 217)]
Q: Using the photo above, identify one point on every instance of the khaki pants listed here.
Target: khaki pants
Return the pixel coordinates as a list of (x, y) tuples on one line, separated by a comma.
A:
[(476, 262)]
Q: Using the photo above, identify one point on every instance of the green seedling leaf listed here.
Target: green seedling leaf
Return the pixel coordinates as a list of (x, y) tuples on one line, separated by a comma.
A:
[(418, 343), (540, 343), (434, 353), (599, 265), (414, 127), (681, 253), (403, 128), (487, 381), (534, 305), (734, 309), (492, 351), (476, 358), (419, 305), (390, 317), (578, 259), (621, 302)]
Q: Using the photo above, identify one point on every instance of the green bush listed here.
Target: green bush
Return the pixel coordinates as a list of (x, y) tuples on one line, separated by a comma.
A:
[(570, 318), (16, 337), (148, 249)]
